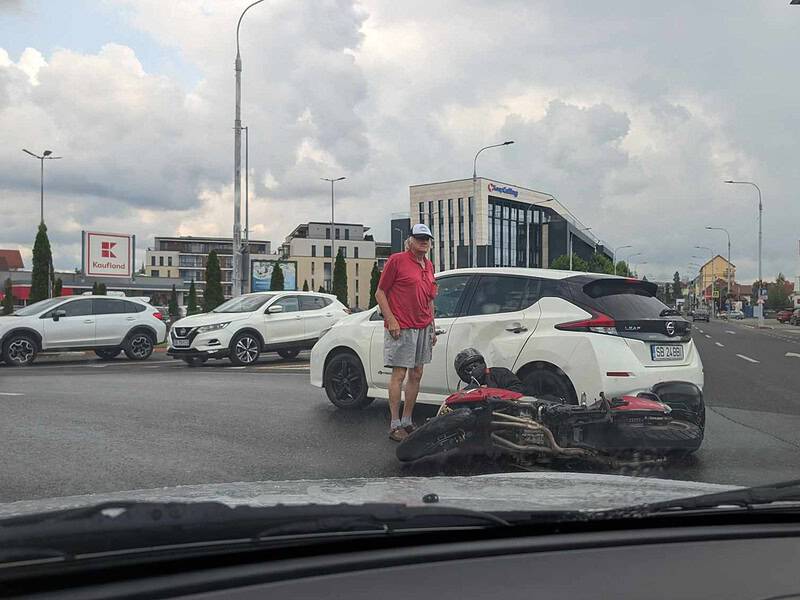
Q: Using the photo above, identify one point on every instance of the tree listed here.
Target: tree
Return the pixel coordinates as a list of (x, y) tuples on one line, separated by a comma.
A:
[(57, 286), (562, 263), (42, 260), (600, 263), (305, 285), (622, 269), (8, 297), (191, 307), (677, 288), (777, 294), (340, 279), (172, 306), (276, 282), (101, 289), (374, 279), (321, 290), (94, 289), (212, 295)]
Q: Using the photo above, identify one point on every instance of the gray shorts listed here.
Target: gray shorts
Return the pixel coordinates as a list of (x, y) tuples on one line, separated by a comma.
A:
[(412, 349)]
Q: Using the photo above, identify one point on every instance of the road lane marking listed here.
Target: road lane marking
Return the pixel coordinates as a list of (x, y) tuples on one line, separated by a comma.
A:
[(792, 354), (720, 345), (708, 336), (747, 358), (11, 394), (731, 332)]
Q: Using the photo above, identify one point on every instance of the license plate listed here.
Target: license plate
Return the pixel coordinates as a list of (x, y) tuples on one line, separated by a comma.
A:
[(666, 352), (181, 343)]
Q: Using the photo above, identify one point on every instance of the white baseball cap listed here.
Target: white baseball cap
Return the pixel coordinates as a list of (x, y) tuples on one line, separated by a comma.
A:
[(421, 229)]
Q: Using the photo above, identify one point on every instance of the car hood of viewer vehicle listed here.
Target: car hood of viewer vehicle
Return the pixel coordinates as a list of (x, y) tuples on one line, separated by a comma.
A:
[(210, 319), (497, 492)]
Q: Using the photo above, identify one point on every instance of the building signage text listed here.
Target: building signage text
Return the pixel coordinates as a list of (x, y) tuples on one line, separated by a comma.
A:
[(503, 190)]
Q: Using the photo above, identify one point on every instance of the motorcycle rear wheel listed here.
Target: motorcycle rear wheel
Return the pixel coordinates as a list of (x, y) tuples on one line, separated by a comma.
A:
[(675, 436), (444, 433)]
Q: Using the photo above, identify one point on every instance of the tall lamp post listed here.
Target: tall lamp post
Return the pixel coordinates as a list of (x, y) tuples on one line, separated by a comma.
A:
[(236, 276), (46, 155), (760, 214), (475, 182), (628, 261), (617, 249), (333, 236), (729, 252)]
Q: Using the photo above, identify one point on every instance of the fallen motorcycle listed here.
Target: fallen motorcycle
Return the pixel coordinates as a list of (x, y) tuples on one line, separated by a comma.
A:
[(667, 420)]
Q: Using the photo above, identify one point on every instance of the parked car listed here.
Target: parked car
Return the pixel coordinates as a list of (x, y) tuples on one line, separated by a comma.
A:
[(795, 318), (567, 334), (784, 315), (736, 315), (108, 325), (244, 327), (700, 314)]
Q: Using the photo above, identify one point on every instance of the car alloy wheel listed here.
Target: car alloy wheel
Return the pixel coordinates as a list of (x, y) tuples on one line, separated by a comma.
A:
[(139, 347), (246, 350), (20, 351), (345, 383)]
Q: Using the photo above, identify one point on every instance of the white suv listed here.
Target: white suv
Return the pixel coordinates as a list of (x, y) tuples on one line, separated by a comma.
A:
[(572, 335), (106, 324), (244, 327)]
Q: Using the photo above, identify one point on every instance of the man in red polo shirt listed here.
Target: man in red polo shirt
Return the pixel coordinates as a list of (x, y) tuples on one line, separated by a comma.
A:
[(405, 296)]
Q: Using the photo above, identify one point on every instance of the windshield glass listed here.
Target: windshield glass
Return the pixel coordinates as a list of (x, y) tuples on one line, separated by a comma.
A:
[(243, 304), (550, 243), (37, 307)]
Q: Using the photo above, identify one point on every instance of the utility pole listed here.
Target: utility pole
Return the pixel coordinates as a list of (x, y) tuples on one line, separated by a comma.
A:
[(333, 235)]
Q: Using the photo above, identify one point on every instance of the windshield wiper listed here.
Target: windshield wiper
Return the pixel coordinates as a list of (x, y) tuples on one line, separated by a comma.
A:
[(124, 526)]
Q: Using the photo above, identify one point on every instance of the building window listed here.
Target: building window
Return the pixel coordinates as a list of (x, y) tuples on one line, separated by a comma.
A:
[(312, 267), (327, 233), (356, 300), (439, 205), (471, 226), (430, 224), (313, 249), (327, 251), (355, 252), (160, 261), (450, 239), (169, 261), (154, 273), (460, 221), (337, 233), (356, 285), (343, 251), (313, 287), (356, 270), (346, 234), (421, 212), (327, 274), (152, 261)]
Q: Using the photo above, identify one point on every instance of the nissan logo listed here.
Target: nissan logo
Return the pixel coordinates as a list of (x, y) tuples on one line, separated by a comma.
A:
[(670, 328)]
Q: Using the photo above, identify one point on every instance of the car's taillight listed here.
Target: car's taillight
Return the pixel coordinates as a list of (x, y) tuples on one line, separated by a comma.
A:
[(599, 323), (158, 316)]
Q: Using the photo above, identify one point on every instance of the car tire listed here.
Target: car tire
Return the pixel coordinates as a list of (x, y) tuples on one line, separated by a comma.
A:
[(107, 353), (245, 349), (194, 361), (345, 382), (541, 381), (139, 345), (288, 354), (19, 350)]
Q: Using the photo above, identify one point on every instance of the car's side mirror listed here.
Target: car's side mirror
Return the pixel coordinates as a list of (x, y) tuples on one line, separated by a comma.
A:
[(57, 314), (275, 309)]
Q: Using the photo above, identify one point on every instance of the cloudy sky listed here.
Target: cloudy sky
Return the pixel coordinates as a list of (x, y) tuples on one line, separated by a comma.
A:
[(632, 113)]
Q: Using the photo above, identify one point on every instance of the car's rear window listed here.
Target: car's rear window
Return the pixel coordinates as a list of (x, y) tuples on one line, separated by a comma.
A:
[(623, 299)]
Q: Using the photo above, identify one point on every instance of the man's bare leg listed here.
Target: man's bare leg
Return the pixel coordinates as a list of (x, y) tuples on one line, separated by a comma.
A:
[(412, 389), (395, 388)]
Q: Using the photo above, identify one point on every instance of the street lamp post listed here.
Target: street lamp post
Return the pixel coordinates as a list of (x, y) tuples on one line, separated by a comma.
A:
[(729, 252), (628, 260), (46, 155), (713, 276), (475, 183), (617, 249), (760, 214), (236, 276), (333, 236)]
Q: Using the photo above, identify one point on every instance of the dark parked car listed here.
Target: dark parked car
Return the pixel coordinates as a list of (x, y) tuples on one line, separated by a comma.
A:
[(701, 314), (784, 315)]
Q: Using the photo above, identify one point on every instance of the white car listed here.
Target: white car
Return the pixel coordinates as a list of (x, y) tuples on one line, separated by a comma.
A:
[(572, 335), (106, 324), (244, 327)]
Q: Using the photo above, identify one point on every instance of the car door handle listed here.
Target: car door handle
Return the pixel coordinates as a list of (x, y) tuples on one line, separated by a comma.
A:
[(130, 318), (328, 314), (439, 331), (88, 321), (517, 328)]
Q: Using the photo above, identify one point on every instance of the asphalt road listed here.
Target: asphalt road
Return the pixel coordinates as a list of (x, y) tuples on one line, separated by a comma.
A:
[(85, 426)]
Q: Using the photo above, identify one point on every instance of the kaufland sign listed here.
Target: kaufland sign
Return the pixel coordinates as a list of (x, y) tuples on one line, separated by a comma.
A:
[(108, 254)]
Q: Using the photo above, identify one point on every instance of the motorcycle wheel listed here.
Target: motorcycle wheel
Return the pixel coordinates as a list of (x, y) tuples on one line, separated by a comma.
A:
[(443, 433), (675, 436)]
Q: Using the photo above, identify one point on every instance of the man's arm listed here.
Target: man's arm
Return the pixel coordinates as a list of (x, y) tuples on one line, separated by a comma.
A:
[(391, 322)]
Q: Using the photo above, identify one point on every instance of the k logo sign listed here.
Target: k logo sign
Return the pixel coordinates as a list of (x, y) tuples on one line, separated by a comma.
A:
[(108, 254)]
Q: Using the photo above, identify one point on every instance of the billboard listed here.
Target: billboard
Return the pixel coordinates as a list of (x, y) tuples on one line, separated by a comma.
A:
[(108, 254), (261, 275)]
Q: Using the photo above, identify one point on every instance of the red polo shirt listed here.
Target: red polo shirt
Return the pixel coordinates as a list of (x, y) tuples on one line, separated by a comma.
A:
[(409, 287)]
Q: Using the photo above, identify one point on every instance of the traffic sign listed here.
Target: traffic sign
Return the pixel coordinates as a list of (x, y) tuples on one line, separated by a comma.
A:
[(715, 294)]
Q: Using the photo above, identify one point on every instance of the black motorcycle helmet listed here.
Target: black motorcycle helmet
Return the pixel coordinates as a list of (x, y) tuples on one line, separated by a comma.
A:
[(470, 365)]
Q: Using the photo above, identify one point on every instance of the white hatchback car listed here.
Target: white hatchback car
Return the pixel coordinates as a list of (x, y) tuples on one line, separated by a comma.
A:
[(106, 324), (244, 327), (572, 335)]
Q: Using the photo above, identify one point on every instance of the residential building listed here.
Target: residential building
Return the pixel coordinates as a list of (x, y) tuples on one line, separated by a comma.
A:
[(311, 247), (717, 270), (11, 260), (185, 257), (490, 223)]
